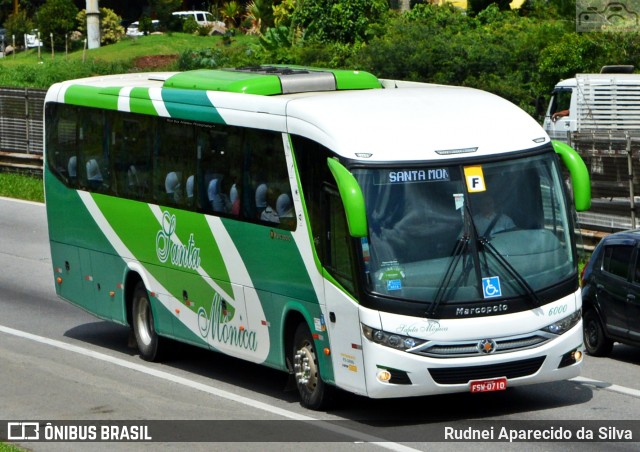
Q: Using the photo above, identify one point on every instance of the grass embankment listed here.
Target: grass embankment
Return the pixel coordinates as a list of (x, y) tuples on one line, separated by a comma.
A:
[(27, 69), (9, 448), (21, 186)]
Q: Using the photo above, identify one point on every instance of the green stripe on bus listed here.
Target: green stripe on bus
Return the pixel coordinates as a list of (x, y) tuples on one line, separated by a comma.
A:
[(190, 105), (147, 235), (272, 259), (140, 102), (90, 96), (229, 81)]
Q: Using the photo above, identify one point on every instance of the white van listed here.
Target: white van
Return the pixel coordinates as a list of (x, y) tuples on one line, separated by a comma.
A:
[(201, 17)]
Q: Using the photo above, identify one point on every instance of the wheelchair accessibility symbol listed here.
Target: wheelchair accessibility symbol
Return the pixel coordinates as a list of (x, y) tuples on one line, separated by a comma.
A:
[(491, 287)]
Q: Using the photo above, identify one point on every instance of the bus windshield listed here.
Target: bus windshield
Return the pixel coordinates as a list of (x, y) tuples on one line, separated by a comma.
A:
[(465, 233)]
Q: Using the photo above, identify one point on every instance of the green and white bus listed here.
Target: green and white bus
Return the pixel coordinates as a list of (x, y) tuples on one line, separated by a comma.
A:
[(326, 223)]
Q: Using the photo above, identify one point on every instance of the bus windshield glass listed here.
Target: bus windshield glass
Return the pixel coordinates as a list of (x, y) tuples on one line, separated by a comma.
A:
[(465, 233)]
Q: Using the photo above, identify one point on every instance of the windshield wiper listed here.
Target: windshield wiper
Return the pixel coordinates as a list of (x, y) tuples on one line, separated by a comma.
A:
[(469, 232), (487, 245), (456, 255)]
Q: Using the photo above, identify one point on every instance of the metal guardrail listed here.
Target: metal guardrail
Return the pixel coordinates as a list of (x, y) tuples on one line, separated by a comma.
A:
[(21, 135)]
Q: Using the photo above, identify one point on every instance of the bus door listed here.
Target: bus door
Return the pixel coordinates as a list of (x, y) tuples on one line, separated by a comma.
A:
[(341, 309)]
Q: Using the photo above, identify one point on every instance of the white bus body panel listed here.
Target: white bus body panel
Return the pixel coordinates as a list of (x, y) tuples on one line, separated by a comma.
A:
[(388, 128)]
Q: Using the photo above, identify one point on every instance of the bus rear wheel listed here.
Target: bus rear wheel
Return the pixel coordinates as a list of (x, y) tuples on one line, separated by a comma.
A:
[(147, 340), (314, 393)]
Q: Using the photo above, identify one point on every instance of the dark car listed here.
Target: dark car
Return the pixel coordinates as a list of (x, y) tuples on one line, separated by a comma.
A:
[(611, 293)]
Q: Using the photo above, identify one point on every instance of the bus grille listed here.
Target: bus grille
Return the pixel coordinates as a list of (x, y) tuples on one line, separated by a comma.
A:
[(461, 375), (470, 348)]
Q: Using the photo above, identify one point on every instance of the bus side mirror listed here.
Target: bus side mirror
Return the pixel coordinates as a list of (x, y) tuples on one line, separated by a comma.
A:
[(352, 198), (579, 175)]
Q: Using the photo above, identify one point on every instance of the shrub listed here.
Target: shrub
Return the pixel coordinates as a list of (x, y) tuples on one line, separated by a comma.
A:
[(145, 25), (110, 29), (189, 26)]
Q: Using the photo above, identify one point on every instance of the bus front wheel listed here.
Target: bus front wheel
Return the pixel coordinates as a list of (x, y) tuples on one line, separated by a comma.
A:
[(147, 339), (314, 393)]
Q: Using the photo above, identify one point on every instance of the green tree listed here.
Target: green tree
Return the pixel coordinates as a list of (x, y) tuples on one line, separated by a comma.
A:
[(163, 9), (232, 13), (18, 25), (498, 51), (260, 15), (345, 21), (475, 6), (57, 18), (282, 12), (587, 52), (549, 9)]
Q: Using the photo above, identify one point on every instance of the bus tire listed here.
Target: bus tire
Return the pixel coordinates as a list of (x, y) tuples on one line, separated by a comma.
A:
[(315, 394), (147, 340), (595, 340)]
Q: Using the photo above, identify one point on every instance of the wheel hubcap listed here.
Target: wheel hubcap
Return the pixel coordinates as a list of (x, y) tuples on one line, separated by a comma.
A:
[(592, 334), (305, 367), (143, 321)]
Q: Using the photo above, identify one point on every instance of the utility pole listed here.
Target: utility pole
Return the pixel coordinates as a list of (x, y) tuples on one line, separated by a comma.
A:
[(15, 7), (93, 24)]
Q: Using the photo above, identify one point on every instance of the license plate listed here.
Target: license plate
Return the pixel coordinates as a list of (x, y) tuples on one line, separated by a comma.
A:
[(495, 384)]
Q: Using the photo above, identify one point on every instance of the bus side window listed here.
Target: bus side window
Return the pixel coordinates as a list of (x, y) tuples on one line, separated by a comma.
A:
[(61, 141), (311, 159), (337, 250), (130, 154), (93, 163), (268, 178), (176, 161)]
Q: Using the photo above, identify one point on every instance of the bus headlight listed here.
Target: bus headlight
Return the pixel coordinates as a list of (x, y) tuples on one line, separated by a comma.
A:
[(564, 325), (397, 341)]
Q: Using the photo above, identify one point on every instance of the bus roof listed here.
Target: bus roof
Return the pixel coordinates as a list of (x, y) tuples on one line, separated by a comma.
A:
[(351, 112)]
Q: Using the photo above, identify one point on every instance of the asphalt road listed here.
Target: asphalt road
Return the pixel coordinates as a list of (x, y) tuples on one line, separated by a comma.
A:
[(59, 363)]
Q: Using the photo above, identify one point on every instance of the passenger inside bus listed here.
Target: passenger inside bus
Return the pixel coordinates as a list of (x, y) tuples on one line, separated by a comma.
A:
[(72, 168), (218, 200), (234, 199), (132, 178), (284, 208), (190, 190), (269, 213), (261, 199), (94, 175), (172, 187)]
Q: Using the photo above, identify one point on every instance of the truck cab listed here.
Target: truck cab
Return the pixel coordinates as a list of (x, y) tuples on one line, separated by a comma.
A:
[(560, 118)]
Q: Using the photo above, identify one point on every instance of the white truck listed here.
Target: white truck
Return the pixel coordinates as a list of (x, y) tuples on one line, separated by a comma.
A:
[(599, 116)]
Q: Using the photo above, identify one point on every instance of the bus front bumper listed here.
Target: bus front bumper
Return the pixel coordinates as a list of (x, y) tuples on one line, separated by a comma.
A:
[(393, 373)]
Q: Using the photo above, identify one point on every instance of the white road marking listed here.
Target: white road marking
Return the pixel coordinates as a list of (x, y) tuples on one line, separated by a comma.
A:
[(23, 201), (358, 437), (608, 386)]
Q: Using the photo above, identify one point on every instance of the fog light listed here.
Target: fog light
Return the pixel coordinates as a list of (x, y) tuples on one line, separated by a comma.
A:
[(384, 375), (570, 358)]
